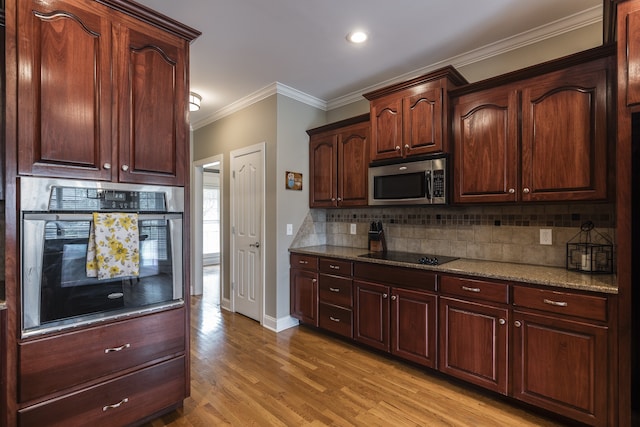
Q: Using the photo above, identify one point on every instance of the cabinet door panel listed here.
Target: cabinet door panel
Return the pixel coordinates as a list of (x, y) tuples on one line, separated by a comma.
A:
[(564, 135), (152, 119), (423, 123), (353, 164), (561, 365), (304, 296), (372, 314), (485, 127), (64, 55), (386, 128), (323, 159), (473, 343), (632, 45), (414, 326)]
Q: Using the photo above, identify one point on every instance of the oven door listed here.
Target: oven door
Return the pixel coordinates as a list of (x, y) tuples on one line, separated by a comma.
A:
[(56, 292)]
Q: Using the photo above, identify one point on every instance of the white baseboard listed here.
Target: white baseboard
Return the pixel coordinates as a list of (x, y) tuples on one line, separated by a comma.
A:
[(279, 325)]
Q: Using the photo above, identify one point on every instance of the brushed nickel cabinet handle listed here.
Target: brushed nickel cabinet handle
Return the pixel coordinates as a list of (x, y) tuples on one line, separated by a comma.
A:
[(384, 295), (468, 289), (502, 321), (517, 323), (107, 166), (115, 405), (512, 191), (393, 297), (334, 289), (115, 349), (397, 148), (406, 146), (303, 262), (125, 168), (526, 190), (333, 319), (334, 267), (556, 303), (314, 280)]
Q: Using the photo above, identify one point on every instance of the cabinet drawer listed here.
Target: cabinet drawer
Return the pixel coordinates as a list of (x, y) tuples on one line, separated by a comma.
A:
[(116, 403), (568, 303), (475, 289), (55, 363), (306, 262), (336, 319), (399, 276), (335, 290), (337, 267)]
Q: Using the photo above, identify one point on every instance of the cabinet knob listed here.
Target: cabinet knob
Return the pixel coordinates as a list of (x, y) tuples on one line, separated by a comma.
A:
[(512, 191), (314, 280), (107, 166), (502, 321), (125, 167), (526, 190), (517, 323), (397, 148), (384, 296), (406, 146), (333, 199), (393, 297), (339, 199), (334, 319)]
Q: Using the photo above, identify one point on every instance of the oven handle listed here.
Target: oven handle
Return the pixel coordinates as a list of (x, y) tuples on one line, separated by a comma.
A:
[(89, 217)]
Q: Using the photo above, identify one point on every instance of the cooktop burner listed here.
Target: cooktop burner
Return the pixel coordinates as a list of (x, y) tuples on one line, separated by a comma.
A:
[(409, 257)]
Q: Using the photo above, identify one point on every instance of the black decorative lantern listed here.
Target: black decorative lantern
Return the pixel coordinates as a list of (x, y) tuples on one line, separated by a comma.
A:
[(589, 251)]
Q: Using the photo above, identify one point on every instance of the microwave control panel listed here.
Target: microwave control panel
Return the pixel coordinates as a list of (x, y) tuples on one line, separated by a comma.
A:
[(438, 183)]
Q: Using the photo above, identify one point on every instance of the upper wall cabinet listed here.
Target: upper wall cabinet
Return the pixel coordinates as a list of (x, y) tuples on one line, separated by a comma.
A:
[(338, 163), (410, 118), (629, 57), (538, 139), (101, 95)]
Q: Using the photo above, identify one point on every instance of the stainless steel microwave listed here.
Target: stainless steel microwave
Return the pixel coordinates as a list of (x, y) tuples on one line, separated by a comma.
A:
[(420, 182)]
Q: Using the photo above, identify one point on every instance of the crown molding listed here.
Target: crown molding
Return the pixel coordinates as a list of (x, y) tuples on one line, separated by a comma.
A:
[(547, 31), (536, 35)]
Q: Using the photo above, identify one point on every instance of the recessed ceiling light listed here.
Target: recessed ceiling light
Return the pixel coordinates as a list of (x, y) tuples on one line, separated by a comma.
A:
[(357, 37)]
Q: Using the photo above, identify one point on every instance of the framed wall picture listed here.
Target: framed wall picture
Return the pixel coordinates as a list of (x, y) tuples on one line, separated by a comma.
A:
[(293, 181)]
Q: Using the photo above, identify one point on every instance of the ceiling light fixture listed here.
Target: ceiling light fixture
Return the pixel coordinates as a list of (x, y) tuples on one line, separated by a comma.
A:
[(357, 37), (194, 101)]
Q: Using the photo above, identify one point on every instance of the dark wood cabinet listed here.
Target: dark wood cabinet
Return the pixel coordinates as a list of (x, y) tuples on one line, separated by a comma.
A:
[(413, 323), (129, 73), (411, 118), (560, 348), (338, 164), (335, 295), (304, 288), (474, 342), (399, 319), (371, 325), (540, 139), (629, 41)]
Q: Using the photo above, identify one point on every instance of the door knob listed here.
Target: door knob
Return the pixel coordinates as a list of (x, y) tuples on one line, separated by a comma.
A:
[(255, 245)]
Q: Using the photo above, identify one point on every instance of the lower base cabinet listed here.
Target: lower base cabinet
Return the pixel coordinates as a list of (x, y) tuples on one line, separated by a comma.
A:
[(399, 321), (546, 347), (561, 365), (474, 343), (116, 403)]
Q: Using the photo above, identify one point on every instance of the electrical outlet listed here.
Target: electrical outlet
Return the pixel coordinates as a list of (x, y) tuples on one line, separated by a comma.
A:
[(289, 229), (353, 229), (546, 236)]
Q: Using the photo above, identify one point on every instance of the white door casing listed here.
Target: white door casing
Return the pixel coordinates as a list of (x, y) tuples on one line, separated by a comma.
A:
[(247, 230)]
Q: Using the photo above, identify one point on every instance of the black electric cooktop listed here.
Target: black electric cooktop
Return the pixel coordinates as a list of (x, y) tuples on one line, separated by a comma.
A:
[(409, 257)]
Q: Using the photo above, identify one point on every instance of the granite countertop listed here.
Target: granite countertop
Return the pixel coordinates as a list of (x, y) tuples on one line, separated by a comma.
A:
[(524, 273)]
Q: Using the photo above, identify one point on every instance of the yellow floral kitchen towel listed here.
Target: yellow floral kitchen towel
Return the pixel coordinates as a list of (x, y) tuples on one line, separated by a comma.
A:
[(113, 249)]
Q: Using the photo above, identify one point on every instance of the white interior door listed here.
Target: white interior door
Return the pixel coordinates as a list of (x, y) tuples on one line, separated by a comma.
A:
[(247, 203)]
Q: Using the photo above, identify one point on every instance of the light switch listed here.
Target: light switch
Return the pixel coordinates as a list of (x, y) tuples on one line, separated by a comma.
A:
[(289, 229), (353, 229), (546, 236)]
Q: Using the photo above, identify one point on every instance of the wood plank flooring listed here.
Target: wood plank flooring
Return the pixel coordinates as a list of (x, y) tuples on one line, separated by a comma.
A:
[(245, 375)]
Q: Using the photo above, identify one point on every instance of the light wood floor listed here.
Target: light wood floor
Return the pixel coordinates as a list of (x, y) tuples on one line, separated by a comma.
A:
[(245, 375)]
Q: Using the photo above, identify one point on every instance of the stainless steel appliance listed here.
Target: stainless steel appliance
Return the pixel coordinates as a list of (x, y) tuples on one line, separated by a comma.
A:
[(56, 216), (420, 182)]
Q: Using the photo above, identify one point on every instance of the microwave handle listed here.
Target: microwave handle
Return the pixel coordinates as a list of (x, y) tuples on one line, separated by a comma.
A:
[(427, 178)]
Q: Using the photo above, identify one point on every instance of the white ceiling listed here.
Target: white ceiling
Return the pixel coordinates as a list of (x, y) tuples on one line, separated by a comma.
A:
[(248, 45)]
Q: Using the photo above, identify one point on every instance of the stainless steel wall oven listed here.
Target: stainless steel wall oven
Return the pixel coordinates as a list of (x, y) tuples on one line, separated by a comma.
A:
[(56, 217)]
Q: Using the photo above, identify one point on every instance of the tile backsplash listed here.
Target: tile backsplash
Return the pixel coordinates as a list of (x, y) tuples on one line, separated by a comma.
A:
[(495, 233)]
